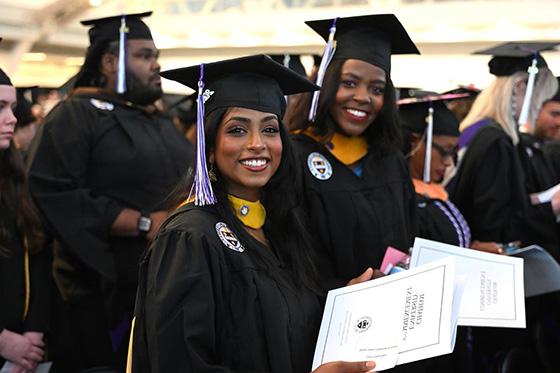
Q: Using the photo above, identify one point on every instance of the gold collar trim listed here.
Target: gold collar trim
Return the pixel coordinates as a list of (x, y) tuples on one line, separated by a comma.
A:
[(251, 214)]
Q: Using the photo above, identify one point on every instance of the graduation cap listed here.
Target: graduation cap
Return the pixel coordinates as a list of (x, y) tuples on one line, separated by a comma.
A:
[(4, 79), (512, 57), (429, 114), (370, 38), (22, 110), (408, 92), (121, 28), (291, 61), (471, 90), (253, 82)]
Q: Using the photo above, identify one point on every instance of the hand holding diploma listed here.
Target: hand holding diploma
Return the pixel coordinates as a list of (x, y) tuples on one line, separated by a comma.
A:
[(392, 320)]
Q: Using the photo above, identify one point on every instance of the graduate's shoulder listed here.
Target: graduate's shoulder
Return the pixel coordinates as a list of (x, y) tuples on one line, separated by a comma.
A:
[(191, 218)]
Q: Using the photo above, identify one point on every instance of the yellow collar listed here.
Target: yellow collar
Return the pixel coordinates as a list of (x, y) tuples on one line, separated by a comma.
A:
[(347, 149), (434, 191), (251, 214)]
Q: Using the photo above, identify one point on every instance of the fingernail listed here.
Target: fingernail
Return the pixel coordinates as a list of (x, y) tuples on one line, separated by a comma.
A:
[(370, 365)]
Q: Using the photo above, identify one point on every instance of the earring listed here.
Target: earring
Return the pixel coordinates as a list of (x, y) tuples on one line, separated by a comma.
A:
[(211, 174)]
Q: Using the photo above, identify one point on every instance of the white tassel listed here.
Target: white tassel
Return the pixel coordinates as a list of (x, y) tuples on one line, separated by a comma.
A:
[(328, 54), (121, 68), (533, 71), (428, 156)]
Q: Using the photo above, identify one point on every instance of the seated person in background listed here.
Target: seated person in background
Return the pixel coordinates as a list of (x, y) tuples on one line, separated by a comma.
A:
[(438, 218)]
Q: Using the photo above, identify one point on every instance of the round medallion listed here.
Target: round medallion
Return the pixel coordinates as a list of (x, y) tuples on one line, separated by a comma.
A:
[(244, 210), (228, 238), (319, 166)]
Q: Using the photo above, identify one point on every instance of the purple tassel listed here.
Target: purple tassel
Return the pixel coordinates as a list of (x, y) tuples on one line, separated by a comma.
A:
[(328, 54), (202, 187), (121, 68)]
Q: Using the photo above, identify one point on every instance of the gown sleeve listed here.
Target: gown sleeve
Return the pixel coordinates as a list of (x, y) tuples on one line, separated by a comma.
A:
[(58, 182), (498, 204), (183, 294)]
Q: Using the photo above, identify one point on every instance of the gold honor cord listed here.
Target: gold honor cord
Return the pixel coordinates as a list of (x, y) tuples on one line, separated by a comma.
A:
[(129, 356), (27, 281)]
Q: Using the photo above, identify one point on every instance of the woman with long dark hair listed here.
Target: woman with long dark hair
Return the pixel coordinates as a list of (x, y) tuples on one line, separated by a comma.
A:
[(229, 283), (356, 181), (24, 270)]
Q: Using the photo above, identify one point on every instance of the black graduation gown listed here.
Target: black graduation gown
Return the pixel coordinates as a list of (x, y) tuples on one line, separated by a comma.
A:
[(204, 307), (539, 176), (12, 281), (435, 224), (489, 188), (356, 218), (552, 153), (96, 156)]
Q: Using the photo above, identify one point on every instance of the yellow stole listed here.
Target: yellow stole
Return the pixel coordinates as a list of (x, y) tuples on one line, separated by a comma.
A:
[(251, 214), (347, 149)]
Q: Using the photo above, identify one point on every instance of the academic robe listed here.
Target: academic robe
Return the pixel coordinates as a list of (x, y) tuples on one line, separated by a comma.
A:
[(12, 281), (539, 176), (552, 152), (489, 188), (96, 156), (355, 218), (211, 298), (490, 191), (439, 220)]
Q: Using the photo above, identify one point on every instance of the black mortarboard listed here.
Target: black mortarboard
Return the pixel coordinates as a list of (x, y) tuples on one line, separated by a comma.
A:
[(470, 90), (509, 58), (22, 110), (291, 61), (122, 28), (408, 92), (253, 82), (4, 79), (413, 117), (108, 28), (371, 38), (431, 116)]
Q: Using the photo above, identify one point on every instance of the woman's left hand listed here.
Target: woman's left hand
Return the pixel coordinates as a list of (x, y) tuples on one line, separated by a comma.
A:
[(369, 274)]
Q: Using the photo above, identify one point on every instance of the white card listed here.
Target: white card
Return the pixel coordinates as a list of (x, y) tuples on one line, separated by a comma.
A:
[(494, 291), (392, 320)]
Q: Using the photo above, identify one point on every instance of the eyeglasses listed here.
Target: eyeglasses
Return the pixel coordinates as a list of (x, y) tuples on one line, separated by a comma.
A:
[(444, 152)]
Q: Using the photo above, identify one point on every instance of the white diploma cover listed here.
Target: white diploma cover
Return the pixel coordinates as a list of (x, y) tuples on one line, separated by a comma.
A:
[(494, 292), (396, 319)]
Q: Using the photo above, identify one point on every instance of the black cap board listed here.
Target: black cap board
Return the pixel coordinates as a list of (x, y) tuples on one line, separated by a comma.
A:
[(413, 117), (254, 82), (370, 38), (509, 58), (107, 28)]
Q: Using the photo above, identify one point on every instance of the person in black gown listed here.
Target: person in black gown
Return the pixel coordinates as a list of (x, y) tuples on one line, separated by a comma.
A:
[(24, 261), (490, 189), (356, 181), (229, 283), (104, 165)]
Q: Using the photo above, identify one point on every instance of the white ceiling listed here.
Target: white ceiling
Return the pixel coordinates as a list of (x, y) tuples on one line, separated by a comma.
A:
[(193, 31)]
